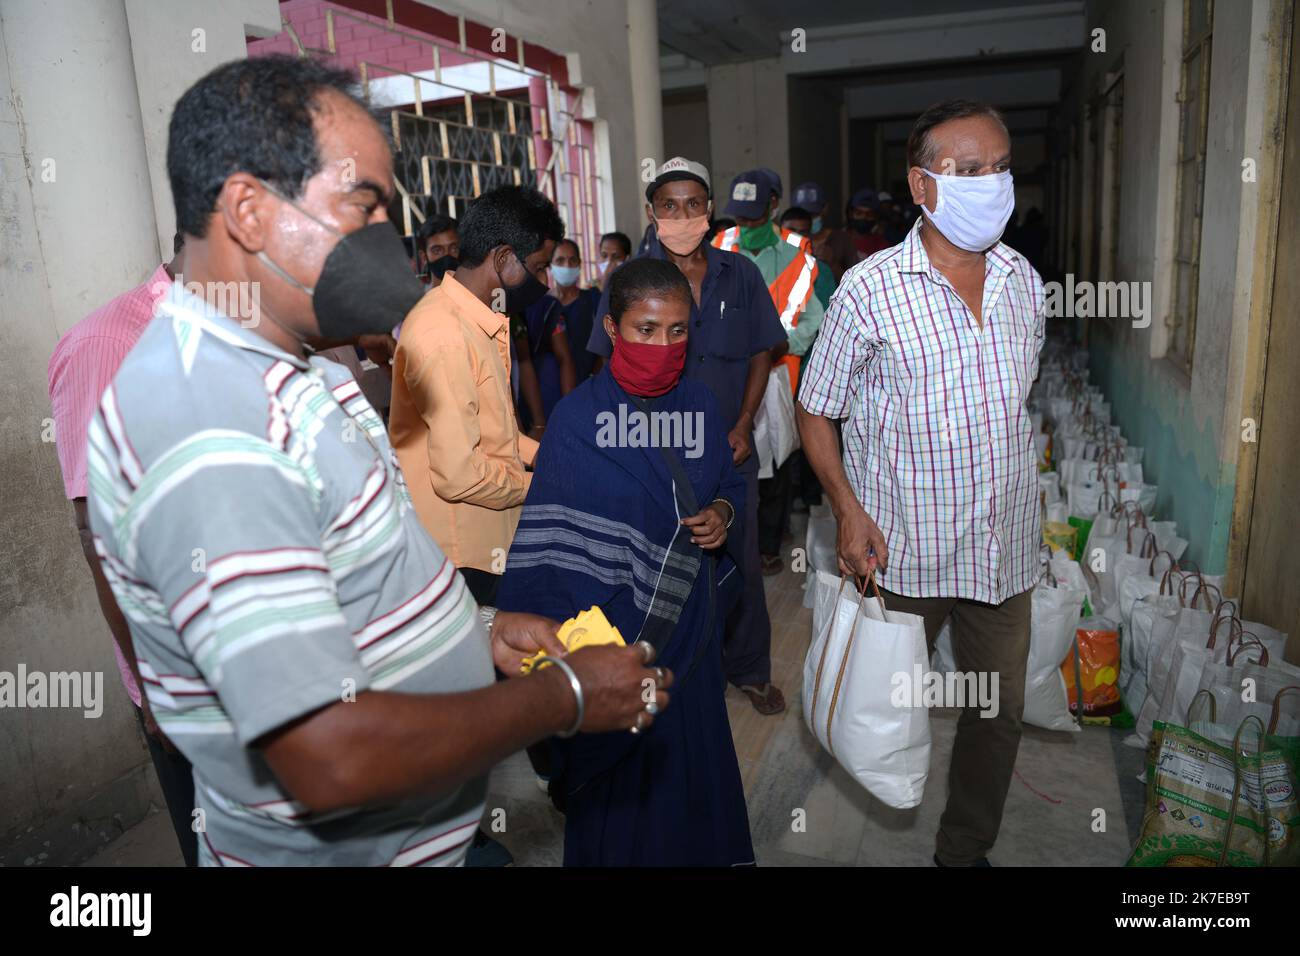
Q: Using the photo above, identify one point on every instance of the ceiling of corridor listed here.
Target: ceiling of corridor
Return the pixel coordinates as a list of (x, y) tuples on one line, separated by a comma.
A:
[(727, 31)]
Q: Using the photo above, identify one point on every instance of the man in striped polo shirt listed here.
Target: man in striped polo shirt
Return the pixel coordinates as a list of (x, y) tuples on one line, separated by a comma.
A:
[(928, 350), (84, 362), (302, 639)]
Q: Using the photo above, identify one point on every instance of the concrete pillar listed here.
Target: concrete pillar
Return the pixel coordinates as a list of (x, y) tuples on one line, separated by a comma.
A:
[(647, 97), (85, 214), (173, 45), (78, 228), (748, 123)]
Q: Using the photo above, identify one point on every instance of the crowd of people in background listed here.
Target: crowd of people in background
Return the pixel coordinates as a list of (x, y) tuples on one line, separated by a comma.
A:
[(425, 559)]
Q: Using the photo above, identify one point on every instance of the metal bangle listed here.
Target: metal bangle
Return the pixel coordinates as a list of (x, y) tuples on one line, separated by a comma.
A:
[(730, 507), (575, 685)]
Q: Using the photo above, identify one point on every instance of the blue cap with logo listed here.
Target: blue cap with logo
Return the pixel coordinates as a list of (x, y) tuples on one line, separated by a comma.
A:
[(865, 199), (810, 197), (751, 192)]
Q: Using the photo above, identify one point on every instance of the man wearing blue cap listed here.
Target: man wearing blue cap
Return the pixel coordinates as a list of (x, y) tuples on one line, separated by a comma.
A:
[(786, 261), (734, 327), (832, 246)]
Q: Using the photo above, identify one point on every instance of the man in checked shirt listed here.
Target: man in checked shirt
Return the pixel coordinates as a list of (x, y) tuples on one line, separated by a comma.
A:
[(928, 350)]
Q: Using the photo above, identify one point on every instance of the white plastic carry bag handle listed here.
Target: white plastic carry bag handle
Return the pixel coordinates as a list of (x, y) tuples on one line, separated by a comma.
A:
[(844, 659), (877, 728)]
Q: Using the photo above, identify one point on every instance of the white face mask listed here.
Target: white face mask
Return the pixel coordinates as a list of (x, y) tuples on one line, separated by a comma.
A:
[(972, 211)]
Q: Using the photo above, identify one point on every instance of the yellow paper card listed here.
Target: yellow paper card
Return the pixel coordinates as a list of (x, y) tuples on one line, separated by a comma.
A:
[(587, 629)]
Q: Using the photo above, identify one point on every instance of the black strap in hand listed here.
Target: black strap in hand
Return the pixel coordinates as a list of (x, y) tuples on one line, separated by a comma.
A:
[(685, 495)]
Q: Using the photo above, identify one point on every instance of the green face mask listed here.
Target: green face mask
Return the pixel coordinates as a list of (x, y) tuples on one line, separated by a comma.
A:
[(754, 238)]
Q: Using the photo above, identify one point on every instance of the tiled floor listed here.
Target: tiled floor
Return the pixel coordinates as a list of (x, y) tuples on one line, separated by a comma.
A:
[(1073, 801), (1065, 806)]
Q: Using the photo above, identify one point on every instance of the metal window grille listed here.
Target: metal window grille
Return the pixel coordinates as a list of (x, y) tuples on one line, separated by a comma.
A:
[(473, 121)]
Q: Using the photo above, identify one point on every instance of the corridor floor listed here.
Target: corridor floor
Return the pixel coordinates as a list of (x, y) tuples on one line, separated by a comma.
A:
[(1051, 818), (1074, 800)]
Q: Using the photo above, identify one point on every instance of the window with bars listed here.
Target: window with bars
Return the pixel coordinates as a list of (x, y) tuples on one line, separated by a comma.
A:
[(1193, 105), (465, 120)]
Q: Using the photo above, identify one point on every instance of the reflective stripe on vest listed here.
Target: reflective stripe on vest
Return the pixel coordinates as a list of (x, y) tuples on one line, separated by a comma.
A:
[(789, 290), (728, 240)]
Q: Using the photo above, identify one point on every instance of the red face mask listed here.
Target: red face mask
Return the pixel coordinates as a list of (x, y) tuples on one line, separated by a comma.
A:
[(645, 369)]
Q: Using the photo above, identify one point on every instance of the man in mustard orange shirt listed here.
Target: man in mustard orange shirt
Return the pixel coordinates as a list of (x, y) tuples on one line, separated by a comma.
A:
[(452, 419)]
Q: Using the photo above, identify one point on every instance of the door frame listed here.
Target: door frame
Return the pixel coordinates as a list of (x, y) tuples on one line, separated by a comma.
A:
[(1269, 170)]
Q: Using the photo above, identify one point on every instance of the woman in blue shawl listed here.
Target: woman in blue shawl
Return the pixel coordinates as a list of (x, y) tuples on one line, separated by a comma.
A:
[(628, 509)]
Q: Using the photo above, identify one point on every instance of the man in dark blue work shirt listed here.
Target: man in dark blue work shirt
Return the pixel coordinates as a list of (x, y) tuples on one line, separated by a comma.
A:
[(733, 326)]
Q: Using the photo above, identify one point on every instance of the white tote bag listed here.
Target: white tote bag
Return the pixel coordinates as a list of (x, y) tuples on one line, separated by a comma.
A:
[(1188, 628), (776, 435), (1049, 487), (859, 654), (1135, 648), (1057, 604), (1111, 537), (1143, 494), (1167, 539), (1085, 499), (1184, 679), (1055, 614), (822, 548), (1249, 683)]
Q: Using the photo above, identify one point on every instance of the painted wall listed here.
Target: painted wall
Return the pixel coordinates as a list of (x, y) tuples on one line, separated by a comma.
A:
[(80, 151), (1189, 425)]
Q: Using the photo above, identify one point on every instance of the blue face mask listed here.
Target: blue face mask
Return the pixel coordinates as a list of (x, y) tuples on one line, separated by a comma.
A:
[(566, 275), (816, 225)]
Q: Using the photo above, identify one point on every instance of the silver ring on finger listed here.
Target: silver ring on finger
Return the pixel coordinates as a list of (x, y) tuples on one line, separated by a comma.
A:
[(636, 727), (647, 651), (652, 708), (660, 676)]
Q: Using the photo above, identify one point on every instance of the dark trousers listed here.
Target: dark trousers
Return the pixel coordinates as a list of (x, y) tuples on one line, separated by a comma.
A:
[(176, 778), (482, 585), (747, 651), (806, 486), (986, 638), (775, 495)]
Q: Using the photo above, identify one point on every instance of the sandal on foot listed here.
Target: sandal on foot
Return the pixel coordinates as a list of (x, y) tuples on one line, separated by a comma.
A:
[(767, 700)]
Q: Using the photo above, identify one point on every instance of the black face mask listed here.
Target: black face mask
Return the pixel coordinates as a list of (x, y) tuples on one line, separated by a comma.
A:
[(441, 266), (861, 226), (521, 296), (366, 286)]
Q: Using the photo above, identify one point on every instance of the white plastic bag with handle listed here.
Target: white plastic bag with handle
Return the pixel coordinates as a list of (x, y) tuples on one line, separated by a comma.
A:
[(1057, 602), (851, 677), (1190, 628), (1054, 616), (776, 435), (1151, 614), (822, 548)]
